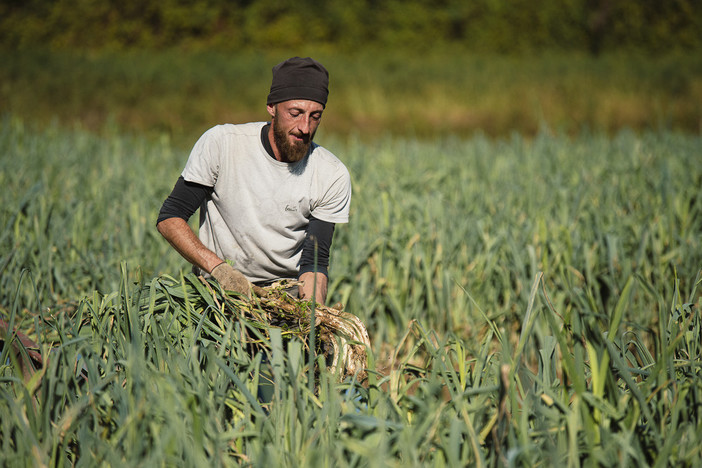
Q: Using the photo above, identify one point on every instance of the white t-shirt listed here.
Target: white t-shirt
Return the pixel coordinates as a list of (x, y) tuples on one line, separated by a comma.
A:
[(260, 207)]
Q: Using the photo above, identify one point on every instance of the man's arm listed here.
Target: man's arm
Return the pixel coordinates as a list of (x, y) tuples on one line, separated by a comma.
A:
[(315, 258), (172, 223), (179, 234)]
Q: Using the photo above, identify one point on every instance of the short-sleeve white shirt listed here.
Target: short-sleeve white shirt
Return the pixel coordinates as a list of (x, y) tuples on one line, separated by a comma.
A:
[(260, 208)]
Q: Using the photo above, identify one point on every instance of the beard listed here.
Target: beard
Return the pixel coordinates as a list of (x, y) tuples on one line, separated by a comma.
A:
[(290, 151)]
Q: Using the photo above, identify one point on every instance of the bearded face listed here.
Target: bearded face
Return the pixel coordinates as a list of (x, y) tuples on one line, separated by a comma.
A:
[(291, 150), (294, 125)]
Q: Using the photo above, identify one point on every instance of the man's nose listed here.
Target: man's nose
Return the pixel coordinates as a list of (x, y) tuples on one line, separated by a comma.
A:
[(304, 125)]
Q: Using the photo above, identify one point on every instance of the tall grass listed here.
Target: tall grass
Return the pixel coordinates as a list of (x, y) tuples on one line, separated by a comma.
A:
[(530, 302), (437, 220)]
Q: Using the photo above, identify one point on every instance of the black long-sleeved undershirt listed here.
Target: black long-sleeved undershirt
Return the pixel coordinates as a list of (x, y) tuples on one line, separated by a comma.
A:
[(184, 200)]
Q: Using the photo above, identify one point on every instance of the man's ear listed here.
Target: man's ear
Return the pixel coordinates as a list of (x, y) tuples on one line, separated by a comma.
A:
[(271, 109)]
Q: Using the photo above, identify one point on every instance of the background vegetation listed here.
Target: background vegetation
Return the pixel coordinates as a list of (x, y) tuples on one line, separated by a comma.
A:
[(372, 94), (481, 25), (406, 68)]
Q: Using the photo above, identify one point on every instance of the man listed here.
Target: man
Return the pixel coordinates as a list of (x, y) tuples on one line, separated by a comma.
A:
[(269, 197)]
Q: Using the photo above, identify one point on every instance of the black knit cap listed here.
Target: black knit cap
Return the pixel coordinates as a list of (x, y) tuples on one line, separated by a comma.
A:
[(299, 78)]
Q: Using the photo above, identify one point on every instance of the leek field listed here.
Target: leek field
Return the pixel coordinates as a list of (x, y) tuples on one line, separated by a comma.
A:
[(531, 301)]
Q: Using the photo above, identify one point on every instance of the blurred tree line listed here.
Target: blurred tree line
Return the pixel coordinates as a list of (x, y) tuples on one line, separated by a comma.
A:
[(504, 26)]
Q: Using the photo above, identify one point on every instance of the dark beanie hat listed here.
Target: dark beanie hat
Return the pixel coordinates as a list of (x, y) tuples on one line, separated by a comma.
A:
[(299, 78)]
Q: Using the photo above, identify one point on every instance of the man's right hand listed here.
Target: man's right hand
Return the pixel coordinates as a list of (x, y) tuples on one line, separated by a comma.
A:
[(231, 279)]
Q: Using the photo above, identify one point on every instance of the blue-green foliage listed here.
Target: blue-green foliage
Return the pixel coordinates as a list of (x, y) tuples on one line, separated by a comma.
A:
[(529, 301)]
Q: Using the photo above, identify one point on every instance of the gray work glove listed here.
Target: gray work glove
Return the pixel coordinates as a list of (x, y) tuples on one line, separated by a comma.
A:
[(231, 279)]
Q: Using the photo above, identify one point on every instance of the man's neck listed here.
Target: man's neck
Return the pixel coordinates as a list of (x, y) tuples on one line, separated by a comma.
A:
[(267, 140)]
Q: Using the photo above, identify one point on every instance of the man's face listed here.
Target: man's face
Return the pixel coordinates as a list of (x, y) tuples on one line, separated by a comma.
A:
[(294, 125)]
